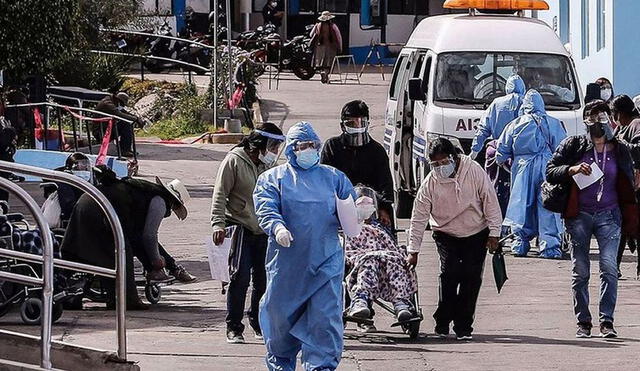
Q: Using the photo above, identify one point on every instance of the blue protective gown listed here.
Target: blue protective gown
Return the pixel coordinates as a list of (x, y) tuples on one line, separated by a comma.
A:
[(501, 111), (302, 306), (530, 141)]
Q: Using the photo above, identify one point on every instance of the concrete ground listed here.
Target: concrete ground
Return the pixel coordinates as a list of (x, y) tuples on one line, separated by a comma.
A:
[(529, 326)]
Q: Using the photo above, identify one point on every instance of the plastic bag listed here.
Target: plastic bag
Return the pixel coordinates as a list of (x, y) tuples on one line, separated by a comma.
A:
[(51, 210)]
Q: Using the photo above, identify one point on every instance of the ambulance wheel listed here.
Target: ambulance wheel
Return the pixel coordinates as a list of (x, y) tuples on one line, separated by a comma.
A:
[(153, 293), (56, 314)]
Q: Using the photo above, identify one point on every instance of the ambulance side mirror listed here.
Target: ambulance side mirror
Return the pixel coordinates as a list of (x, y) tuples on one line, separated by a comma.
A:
[(415, 90)]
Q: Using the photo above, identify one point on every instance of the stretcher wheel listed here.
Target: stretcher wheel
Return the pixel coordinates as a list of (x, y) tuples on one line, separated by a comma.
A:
[(31, 311), (153, 293), (413, 329), (56, 314)]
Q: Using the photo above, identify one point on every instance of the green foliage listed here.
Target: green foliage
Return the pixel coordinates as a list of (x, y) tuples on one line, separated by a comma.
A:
[(93, 71), (36, 36)]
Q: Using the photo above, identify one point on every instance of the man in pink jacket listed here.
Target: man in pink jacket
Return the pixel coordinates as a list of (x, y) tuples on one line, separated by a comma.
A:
[(459, 201)]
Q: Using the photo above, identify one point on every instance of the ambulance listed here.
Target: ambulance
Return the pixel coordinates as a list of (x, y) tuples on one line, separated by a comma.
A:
[(454, 66)]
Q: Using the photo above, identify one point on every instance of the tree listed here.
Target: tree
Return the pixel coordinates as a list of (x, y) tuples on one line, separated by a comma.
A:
[(37, 36)]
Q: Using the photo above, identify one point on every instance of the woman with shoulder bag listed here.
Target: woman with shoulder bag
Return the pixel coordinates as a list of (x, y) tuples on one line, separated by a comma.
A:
[(606, 209)]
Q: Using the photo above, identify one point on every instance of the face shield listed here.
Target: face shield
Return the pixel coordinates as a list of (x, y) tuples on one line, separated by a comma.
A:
[(82, 169), (274, 146), (366, 203), (356, 131), (599, 125)]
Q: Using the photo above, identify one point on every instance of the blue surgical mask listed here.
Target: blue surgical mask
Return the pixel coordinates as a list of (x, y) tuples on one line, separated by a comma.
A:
[(307, 158), (84, 174)]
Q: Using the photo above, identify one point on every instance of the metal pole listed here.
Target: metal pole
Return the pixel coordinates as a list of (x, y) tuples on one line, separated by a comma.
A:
[(214, 75), (230, 67), (285, 16), (47, 268), (114, 222)]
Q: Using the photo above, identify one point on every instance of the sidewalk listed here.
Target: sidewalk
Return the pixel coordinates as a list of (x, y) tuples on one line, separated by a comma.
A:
[(530, 326)]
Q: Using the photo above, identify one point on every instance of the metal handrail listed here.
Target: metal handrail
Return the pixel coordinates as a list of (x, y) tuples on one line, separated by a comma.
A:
[(47, 269), (149, 57), (66, 264), (50, 104), (160, 36), (118, 237)]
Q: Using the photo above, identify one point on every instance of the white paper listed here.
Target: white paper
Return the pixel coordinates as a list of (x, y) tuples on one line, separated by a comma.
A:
[(583, 181), (219, 256), (348, 216)]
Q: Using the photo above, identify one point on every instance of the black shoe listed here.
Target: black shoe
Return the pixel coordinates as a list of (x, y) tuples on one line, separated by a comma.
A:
[(584, 330), (441, 332), (234, 337), (607, 330), (464, 336)]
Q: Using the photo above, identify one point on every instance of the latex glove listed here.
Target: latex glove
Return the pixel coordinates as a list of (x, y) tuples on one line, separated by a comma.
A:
[(473, 155), (283, 236)]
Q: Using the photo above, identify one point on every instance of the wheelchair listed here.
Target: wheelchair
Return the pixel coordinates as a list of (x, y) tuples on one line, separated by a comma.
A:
[(410, 327), (16, 234)]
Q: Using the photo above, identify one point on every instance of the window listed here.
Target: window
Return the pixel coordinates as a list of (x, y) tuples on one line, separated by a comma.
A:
[(410, 7), (585, 28), (398, 75), (565, 25), (425, 76), (477, 78), (600, 11)]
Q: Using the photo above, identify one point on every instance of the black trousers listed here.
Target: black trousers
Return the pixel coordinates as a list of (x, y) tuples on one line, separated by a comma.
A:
[(251, 268), (461, 266)]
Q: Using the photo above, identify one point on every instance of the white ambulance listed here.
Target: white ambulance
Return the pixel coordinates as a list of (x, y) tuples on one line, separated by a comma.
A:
[(452, 68)]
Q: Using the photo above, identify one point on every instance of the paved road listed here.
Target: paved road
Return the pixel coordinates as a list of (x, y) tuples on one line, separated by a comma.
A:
[(529, 326)]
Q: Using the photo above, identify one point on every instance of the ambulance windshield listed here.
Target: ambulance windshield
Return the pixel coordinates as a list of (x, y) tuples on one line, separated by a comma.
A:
[(477, 78)]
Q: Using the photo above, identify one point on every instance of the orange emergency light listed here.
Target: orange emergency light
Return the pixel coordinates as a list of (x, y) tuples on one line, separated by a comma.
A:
[(497, 4)]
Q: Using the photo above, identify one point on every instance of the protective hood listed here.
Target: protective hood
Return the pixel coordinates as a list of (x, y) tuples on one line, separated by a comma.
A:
[(300, 132), (515, 84), (533, 104)]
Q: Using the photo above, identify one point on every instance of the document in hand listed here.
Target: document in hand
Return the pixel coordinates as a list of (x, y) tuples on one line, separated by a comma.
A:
[(348, 216), (219, 255), (583, 181)]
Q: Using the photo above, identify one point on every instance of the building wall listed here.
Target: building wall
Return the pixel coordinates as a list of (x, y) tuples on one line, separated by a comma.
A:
[(626, 66)]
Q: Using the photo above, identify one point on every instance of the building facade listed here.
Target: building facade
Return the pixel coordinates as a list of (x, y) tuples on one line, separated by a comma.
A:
[(603, 38)]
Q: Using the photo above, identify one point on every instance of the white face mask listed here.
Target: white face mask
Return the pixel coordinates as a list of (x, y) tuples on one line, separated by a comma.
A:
[(269, 158), (350, 130), (605, 94), (84, 174), (274, 4)]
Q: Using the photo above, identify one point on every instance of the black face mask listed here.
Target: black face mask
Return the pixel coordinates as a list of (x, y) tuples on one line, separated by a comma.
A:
[(596, 130)]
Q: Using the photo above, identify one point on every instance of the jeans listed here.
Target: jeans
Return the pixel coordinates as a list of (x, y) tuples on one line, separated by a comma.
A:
[(251, 268), (461, 267), (606, 226)]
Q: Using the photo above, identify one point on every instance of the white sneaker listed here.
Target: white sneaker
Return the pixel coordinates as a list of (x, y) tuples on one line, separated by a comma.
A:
[(359, 309)]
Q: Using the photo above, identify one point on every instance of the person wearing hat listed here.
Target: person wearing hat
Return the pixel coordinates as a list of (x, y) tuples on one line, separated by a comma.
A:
[(326, 41), (115, 105), (232, 205), (140, 205)]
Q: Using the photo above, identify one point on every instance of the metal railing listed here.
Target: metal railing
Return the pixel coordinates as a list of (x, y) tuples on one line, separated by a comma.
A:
[(75, 138), (47, 259), (46, 282)]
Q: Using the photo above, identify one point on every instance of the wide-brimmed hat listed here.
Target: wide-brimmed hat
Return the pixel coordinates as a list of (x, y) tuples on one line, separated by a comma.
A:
[(123, 97), (179, 193), (325, 16)]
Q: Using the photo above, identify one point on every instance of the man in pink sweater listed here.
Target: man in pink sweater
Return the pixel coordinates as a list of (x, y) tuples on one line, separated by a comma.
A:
[(459, 201)]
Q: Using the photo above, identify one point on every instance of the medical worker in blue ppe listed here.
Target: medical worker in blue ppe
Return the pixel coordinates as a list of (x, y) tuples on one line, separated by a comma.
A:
[(529, 141), (296, 207), (501, 111)]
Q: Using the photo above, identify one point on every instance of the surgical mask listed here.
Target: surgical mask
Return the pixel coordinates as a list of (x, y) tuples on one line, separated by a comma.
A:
[(445, 171), (365, 212), (605, 94), (268, 158), (307, 158), (83, 174), (350, 130), (274, 4)]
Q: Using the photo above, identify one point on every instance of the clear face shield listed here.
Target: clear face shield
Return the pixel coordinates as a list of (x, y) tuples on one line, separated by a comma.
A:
[(366, 203), (82, 169), (356, 130), (599, 124), (274, 147)]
